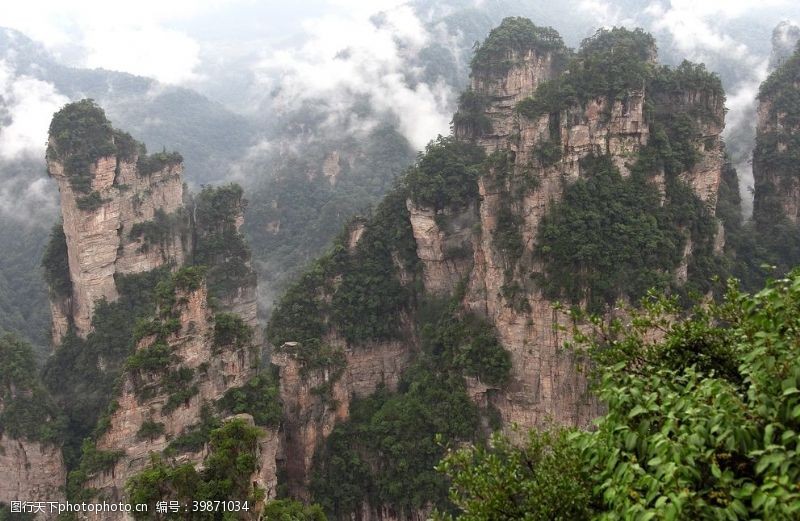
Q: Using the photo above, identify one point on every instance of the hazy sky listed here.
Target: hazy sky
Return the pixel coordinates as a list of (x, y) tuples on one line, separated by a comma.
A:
[(167, 39)]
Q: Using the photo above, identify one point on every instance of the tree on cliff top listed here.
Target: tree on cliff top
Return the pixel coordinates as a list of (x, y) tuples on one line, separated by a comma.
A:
[(702, 423), (516, 35)]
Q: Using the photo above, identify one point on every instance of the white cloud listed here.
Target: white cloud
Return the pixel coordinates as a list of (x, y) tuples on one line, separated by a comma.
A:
[(29, 104), (135, 37), (148, 50), (353, 57), (606, 14)]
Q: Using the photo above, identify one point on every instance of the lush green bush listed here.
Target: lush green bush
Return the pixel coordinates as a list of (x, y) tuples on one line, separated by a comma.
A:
[(27, 410), (92, 461), (471, 118), (370, 289), (225, 476), (702, 419), (611, 237), (550, 96), (259, 397), (159, 230), (80, 134), (446, 174), (231, 331), (150, 430), (150, 164), (385, 452), (516, 36), (91, 202), (543, 480), (156, 357), (56, 263), (218, 243), (290, 510), (465, 342)]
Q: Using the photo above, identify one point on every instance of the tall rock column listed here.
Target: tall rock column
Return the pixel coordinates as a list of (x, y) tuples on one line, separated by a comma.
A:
[(121, 209), (776, 160)]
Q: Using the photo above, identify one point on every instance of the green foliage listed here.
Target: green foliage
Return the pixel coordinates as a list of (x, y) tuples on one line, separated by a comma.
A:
[(471, 118), (514, 37), (27, 410), (150, 430), (550, 96), (610, 236), (507, 237), (218, 244), (91, 202), (385, 452), (611, 63), (314, 355), (92, 461), (290, 510), (225, 476), (189, 278), (369, 289), (702, 417), (230, 330), (56, 263), (445, 175), (7, 515), (159, 230), (156, 357), (548, 152), (180, 392), (672, 87), (775, 166), (150, 164), (543, 480), (775, 89), (465, 342), (259, 397), (80, 134), (298, 316)]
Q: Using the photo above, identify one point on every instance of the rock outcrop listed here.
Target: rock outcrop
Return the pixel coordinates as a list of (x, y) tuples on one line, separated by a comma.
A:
[(31, 471), (122, 210), (316, 398), (172, 397)]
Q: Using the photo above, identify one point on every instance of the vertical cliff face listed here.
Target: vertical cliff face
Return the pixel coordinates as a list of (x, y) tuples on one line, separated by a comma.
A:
[(540, 132), (775, 158), (121, 209)]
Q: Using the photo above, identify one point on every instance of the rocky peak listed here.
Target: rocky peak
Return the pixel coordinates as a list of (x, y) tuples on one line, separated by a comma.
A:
[(580, 177), (515, 58), (122, 210)]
